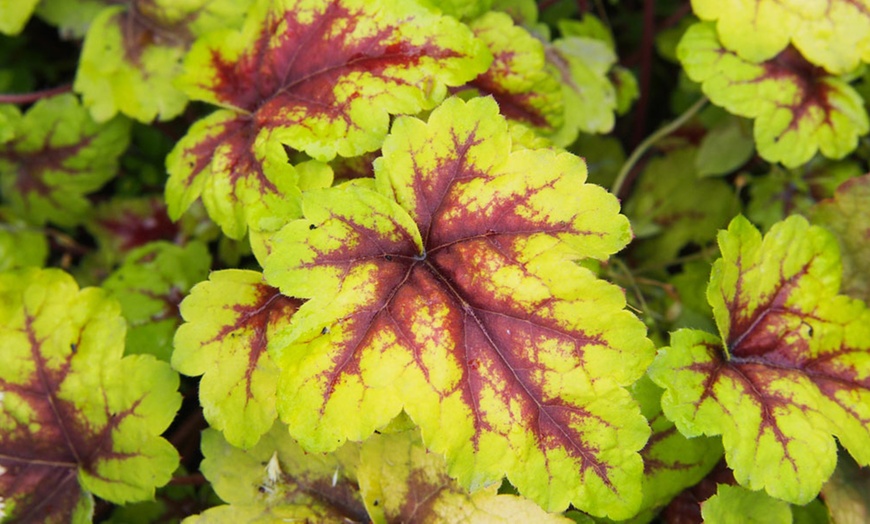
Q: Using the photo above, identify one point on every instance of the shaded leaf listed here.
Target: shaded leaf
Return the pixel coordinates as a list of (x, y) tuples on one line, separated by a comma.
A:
[(58, 156), (792, 369), (847, 493), (834, 34), (403, 482), (149, 285), (75, 417), (72, 17), (453, 293), (21, 245), (798, 108), (322, 78), (229, 321), (848, 217), (736, 505), (725, 148)]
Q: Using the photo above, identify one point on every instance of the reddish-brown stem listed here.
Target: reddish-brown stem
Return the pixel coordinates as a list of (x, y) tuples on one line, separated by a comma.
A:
[(646, 56), (195, 479), (26, 98), (544, 4), (676, 16)]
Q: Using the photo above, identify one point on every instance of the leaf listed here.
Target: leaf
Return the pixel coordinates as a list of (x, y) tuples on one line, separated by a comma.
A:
[(736, 505), (15, 15), (277, 481), (834, 34), (322, 78), (431, 294), (229, 321), (798, 109), (20, 245), (847, 216), (725, 148), (847, 493), (792, 369), (402, 482), (58, 156), (72, 17), (75, 417), (149, 285), (132, 55)]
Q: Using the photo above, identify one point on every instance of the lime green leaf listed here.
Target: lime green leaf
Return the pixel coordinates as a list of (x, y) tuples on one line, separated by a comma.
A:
[(58, 156), (277, 481), (322, 78), (453, 293), (792, 369), (461, 9), (664, 206), (229, 321), (848, 217), (798, 109), (589, 26), (725, 148), (736, 505), (72, 17), (21, 245), (627, 90), (132, 55), (149, 286), (75, 417), (847, 493), (15, 14), (402, 482), (834, 34)]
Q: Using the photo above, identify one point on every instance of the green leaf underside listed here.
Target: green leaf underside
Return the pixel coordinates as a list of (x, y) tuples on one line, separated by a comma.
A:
[(58, 156), (794, 367), (277, 481), (322, 78), (736, 505), (72, 411), (834, 34), (431, 296), (229, 322), (848, 217), (798, 109), (402, 482)]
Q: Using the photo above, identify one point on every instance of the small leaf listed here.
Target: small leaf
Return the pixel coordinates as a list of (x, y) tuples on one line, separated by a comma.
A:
[(847, 493), (16, 13), (834, 34), (725, 148), (736, 505), (21, 245), (402, 482), (792, 369), (453, 293), (229, 321), (58, 156), (149, 286), (71, 17), (798, 109), (75, 417), (848, 217)]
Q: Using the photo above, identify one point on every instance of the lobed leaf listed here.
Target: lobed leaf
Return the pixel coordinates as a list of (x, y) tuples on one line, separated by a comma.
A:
[(453, 293), (791, 370), (798, 108), (58, 156), (75, 417), (321, 77), (834, 34), (733, 505), (229, 321)]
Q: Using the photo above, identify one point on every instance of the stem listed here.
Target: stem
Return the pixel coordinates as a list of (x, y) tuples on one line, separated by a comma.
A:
[(582, 7), (676, 16), (652, 139), (646, 58), (26, 98)]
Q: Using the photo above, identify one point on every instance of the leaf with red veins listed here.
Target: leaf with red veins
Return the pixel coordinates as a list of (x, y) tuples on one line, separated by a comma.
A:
[(453, 293), (792, 369), (798, 108), (229, 321), (57, 156), (321, 77), (75, 417)]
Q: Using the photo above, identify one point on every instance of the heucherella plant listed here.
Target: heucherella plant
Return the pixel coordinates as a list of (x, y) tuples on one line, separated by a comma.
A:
[(352, 261)]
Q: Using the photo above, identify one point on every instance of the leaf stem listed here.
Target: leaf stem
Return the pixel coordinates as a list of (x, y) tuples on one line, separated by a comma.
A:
[(26, 98), (652, 139)]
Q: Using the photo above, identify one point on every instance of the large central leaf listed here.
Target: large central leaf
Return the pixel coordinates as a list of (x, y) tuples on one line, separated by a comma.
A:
[(453, 293)]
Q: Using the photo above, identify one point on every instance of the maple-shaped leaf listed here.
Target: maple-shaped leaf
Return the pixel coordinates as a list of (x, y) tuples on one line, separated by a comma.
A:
[(149, 285), (133, 54), (792, 367), (75, 417), (401, 481), (848, 217), (453, 293), (21, 245), (834, 34), (15, 14), (733, 504), (59, 155), (321, 77), (278, 481), (798, 108), (229, 321)]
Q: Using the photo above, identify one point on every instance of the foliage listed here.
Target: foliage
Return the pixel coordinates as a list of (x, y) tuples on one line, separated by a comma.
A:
[(352, 261)]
